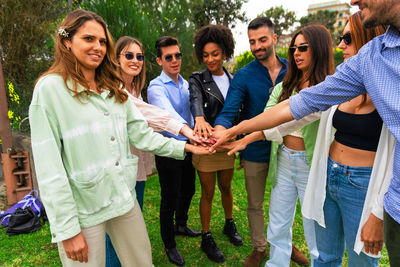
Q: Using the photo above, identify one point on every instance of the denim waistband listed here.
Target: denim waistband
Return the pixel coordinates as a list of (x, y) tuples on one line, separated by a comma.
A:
[(292, 151), (345, 168)]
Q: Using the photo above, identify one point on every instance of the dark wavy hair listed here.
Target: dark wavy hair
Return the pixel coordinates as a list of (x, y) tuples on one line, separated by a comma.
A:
[(139, 80), (322, 64), (106, 74), (165, 41), (219, 34), (360, 34), (261, 22)]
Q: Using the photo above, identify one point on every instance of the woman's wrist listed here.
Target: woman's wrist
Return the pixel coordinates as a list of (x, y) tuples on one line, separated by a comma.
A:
[(199, 119)]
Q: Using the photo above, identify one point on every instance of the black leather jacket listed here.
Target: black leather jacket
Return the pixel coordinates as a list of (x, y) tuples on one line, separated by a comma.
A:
[(205, 97)]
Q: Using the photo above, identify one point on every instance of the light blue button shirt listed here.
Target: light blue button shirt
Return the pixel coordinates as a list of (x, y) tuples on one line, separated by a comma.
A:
[(374, 70), (166, 94)]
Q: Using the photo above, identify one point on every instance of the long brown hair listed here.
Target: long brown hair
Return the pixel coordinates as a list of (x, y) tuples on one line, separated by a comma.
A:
[(140, 79), (65, 64), (321, 65), (361, 35)]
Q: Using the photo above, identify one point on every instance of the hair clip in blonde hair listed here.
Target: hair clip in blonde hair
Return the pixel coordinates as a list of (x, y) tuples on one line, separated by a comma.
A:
[(63, 32)]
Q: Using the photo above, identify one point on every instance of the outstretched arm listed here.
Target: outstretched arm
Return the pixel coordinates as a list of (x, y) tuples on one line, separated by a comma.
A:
[(242, 143), (272, 117)]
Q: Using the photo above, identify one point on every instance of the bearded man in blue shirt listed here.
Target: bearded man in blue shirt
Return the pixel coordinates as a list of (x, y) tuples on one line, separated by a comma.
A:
[(249, 91), (170, 92)]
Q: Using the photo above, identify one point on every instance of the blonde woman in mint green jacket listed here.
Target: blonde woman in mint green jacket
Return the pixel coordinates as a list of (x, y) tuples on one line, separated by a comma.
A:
[(81, 127)]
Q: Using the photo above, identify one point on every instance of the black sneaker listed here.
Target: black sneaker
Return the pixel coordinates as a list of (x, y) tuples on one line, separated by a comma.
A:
[(210, 248), (231, 232)]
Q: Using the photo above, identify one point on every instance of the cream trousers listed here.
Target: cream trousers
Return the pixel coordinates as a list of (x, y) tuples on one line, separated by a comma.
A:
[(129, 237)]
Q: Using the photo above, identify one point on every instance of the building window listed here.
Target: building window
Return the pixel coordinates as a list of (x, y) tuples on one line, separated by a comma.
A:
[(340, 23), (340, 15)]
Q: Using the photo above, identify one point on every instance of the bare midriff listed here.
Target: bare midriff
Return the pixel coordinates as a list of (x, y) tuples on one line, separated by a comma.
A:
[(351, 156), (293, 142)]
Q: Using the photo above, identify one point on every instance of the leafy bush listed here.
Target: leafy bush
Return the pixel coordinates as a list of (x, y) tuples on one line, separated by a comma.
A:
[(146, 21), (25, 47)]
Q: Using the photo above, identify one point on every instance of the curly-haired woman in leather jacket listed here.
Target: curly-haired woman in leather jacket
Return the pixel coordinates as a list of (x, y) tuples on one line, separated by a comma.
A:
[(208, 89)]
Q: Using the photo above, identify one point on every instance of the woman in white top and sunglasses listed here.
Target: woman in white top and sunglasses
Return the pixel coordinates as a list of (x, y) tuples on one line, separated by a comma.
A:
[(310, 60), (351, 170)]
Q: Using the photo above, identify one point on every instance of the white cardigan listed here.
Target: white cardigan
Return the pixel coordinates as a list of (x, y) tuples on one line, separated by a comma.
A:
[(314, 198)]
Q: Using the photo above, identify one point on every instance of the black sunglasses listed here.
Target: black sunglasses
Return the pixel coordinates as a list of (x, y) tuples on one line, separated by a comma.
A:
[(178, 56), (302, 48), (346, 38), (130, 56)]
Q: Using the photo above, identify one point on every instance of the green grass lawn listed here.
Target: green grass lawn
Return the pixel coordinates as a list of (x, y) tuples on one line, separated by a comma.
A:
[(36, 250)]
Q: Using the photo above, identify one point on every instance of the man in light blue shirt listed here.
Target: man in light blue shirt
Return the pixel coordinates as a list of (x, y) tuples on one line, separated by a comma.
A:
[(170, 92), (374, 70)]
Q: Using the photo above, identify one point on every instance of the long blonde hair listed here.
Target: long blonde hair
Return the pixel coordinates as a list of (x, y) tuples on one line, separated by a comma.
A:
[(106, 74), (140, 79)]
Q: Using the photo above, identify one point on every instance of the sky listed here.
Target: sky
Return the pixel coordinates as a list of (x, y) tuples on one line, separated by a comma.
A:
[(255, 7)]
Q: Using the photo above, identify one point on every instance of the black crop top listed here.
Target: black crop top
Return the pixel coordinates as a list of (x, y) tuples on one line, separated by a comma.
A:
[(360, 131)]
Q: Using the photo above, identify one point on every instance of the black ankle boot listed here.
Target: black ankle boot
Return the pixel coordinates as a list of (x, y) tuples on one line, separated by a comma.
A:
[(231, 232), (210, 248)]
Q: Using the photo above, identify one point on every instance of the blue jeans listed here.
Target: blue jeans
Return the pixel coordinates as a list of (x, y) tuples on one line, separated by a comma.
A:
[(291, 182), (139, 188), (111, 256), (346, 189)]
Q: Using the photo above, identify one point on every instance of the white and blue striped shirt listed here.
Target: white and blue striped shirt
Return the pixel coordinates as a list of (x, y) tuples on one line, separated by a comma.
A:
[(374, 70)]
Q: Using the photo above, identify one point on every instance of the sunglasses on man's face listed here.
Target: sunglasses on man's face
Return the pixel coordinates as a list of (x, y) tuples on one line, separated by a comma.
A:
[(302, 48), (130, 56), (168, 58), (346, 38)]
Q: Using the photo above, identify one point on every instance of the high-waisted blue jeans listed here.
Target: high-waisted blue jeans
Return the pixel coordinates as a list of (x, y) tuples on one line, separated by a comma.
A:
[(291, 182), (346, 189)]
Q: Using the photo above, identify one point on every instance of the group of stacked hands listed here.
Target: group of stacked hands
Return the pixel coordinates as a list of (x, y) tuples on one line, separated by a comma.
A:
[(349, 192)]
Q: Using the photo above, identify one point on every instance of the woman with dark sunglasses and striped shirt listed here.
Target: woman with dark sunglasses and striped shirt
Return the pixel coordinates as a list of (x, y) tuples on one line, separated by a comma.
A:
[(345, 187)]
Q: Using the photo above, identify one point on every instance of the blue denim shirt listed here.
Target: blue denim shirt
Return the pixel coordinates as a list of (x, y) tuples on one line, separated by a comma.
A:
[(164, 93), (374, 70), (251, 87)]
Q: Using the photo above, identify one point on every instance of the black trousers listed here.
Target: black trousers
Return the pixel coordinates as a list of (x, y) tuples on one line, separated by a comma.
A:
[(391, 230), (177, 181)]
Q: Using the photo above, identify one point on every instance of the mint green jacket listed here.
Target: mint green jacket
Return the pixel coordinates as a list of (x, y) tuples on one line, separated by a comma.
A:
[(85, 171), (309, 133)]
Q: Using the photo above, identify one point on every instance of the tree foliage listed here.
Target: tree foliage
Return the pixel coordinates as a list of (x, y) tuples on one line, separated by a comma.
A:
[(148, 20), (282, 18), (226, 12), (26, 45), (323, 17)]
